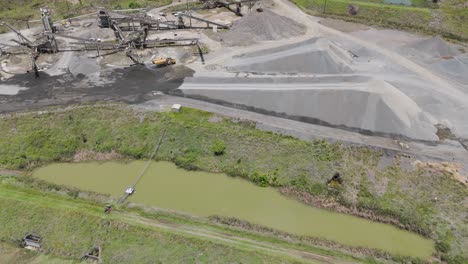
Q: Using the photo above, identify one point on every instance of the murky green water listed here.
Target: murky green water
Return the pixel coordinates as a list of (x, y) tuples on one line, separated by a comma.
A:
[(205, 194)]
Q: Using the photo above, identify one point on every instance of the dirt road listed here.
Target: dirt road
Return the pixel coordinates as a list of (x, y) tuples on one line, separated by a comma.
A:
[(229, 239)]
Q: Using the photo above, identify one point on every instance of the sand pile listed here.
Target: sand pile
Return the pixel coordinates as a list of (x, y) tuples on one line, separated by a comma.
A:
[(262, 26), (364, 106), (315, 56), (435, 47)]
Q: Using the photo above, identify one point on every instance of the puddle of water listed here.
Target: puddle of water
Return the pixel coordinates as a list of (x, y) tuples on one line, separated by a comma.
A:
[(204, 194)]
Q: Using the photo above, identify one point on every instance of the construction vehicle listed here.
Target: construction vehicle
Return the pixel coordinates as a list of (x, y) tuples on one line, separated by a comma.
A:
[(161, 62)]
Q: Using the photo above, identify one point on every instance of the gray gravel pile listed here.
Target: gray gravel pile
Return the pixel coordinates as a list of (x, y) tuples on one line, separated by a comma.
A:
[(316, 56), (455, 68), (436, 47), (374, 105), (256, 27)]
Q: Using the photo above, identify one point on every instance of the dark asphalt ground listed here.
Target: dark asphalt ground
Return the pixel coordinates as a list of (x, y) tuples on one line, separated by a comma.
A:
[(131, 85)]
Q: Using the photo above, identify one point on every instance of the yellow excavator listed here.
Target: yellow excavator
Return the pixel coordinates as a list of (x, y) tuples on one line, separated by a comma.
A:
[(161, 62)]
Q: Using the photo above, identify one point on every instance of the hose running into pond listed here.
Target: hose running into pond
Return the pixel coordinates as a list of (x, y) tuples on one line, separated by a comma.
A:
[(156, 148), (148, 163)]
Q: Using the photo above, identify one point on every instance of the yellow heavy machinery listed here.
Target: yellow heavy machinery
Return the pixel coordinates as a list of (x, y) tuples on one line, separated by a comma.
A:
[(161, 62)]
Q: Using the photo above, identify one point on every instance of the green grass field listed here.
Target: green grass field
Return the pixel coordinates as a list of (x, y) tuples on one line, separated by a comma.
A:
[(30, 140), (25, 189), (71, 227), (449, 18)]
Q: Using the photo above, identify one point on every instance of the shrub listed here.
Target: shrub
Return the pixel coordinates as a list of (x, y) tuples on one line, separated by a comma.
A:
[(134, 5), (219, 148), (187, 159), (442, 246), (261, 180), (457, 260)]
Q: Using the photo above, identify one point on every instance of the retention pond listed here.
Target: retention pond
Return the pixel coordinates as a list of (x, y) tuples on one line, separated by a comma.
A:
[(204, 194)]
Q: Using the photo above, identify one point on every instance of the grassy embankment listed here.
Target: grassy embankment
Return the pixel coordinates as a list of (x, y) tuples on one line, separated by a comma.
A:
[(72, 226), (299, 168), (449, 18), (12, 254), (23, 188), (18, 12)]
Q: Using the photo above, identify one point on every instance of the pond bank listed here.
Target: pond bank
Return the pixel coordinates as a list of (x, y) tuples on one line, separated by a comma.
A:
[(206, 194)]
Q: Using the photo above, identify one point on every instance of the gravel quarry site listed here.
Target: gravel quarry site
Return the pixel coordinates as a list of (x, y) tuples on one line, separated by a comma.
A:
[(386, 108), (278, 61)]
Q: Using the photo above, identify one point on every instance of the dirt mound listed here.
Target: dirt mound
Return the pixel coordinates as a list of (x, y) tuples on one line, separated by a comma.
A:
[(451, 169), (262, 26), (436, 47)]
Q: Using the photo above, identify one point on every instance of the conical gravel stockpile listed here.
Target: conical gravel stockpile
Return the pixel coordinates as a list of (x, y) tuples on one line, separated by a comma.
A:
[(314, 56), (261, 26)]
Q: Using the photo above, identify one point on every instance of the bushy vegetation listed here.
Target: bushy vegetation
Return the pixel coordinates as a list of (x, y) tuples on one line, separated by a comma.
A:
[(219, 148), (134, 5), (267, 159)]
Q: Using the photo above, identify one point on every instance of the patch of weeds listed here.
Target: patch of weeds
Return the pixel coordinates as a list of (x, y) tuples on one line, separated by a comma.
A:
[(187, 159), (303, 182), (265, 180)]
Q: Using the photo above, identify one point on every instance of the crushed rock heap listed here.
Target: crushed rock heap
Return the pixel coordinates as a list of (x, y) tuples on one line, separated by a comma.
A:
[(435, 47), (317, 56), (261, 26)]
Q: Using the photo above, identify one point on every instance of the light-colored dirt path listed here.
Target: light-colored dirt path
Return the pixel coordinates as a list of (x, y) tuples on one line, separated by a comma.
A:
[(233, 240)]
